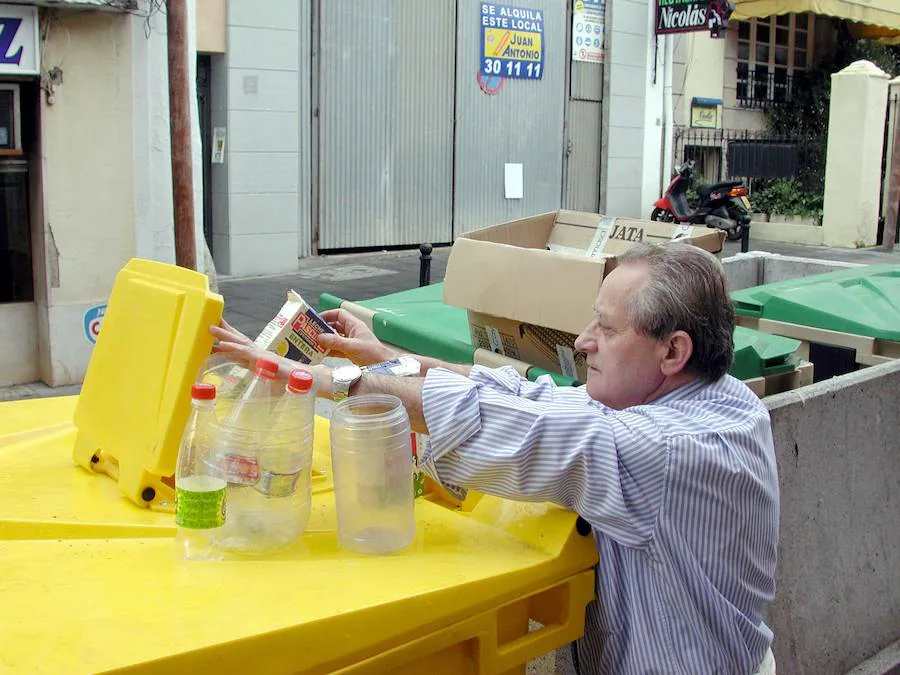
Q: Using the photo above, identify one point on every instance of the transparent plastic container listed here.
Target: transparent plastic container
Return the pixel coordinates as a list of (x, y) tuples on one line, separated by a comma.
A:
[(265, 456), (372, 462)]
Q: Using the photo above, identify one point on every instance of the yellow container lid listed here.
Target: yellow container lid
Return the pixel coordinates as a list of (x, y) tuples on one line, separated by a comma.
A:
[(92, 581), (135, 399)]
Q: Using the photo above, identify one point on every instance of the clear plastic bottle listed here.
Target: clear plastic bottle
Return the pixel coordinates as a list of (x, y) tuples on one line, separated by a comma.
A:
[(200, 495), (253, 409), (246, 426), (285, 465), (264, 451)]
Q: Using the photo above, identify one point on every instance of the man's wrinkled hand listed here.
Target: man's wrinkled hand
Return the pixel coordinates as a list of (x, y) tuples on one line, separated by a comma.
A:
[(235, 345), (353, 340)]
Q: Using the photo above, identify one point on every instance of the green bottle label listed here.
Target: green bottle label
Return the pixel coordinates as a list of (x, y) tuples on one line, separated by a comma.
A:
[(419, 483), (201, 509)]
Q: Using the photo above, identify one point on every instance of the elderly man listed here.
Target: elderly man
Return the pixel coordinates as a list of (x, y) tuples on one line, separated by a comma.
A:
[(668, 457)]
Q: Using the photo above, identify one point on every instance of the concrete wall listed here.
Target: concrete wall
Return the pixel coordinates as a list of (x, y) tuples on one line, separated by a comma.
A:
[(627, 51), (88, 183), (19, 356), (853, 158), (755, 268), (699, 72), (101, 191), (789, 233), (837, 596), (256, 190)]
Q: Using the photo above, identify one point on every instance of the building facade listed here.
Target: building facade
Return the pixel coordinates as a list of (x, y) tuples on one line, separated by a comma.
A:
[(319, 127)]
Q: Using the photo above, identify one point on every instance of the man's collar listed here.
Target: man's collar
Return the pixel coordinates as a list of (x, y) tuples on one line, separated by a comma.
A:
[(685, 391)]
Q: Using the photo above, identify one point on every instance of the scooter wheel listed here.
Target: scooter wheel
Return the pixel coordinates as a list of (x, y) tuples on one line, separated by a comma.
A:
[(662, 215)]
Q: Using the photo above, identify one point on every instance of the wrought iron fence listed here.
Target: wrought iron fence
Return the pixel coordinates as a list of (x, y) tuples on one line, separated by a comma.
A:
[(722, 154), (765, 89)]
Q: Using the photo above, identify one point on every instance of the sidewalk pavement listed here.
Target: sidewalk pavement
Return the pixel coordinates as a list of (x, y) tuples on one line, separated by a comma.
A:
[(250, 302)]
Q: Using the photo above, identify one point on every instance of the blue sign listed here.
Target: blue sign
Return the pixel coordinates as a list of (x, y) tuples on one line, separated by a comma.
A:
[(512, 41), (93, 319)]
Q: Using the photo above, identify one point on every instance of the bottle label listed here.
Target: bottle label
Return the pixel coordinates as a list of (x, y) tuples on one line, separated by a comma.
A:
[(274, 484), (238, 469), (200, 510)]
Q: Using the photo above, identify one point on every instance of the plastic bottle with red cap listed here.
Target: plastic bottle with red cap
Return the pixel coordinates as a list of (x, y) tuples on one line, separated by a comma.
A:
[(300, 387), (200, 493), (246, 424)]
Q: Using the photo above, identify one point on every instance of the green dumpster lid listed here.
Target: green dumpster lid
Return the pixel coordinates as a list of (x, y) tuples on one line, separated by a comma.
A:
[(758, 354), (419, 321), (328, 301), (861, 300)]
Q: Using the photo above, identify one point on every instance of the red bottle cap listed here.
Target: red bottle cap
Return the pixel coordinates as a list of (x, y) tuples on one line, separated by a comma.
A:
[(300, 381), (267, 368), (203, 392)]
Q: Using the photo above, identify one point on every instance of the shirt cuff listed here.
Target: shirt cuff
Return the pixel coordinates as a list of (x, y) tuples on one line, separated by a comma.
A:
[(453, 415)]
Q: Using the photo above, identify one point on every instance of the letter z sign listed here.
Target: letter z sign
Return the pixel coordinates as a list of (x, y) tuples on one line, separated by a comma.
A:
[(18, 40)]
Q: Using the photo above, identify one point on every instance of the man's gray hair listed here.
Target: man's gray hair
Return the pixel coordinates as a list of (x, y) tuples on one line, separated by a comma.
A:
[(686, 290)]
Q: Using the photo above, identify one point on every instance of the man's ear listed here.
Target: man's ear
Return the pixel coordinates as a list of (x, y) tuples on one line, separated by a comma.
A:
[(679, 348)]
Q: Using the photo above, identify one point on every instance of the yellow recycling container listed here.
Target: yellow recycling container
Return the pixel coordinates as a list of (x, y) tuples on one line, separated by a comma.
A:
[(90, 581)]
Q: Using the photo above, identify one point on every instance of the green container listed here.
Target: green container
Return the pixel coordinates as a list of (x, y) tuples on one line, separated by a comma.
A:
[(758, 354), (417, 320), (862, 301)]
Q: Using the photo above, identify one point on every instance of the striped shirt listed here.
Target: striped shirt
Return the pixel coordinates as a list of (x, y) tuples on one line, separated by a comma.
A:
[(682, 495)]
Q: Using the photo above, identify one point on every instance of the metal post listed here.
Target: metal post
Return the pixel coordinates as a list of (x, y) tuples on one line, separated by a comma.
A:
[(893, 195), (425, 264), (180, 134), (745, 238)]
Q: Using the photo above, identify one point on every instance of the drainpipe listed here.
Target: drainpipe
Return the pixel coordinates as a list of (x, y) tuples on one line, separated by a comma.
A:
[(180, 134)]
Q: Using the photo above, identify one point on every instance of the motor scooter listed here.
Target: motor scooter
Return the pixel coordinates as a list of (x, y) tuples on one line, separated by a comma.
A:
[(724, 205)]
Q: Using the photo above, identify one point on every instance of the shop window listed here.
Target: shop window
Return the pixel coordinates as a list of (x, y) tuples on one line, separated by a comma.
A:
[(16, 273)]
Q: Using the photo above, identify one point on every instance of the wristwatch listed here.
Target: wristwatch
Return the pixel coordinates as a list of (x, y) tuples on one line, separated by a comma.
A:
[(342, 378)]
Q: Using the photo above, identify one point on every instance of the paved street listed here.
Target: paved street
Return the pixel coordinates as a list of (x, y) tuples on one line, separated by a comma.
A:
[(252, 301)]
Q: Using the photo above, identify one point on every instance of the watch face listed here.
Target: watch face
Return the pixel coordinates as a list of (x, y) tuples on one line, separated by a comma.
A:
[(347, 373)]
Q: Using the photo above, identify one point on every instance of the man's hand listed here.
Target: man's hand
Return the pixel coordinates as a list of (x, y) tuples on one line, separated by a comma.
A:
[(241, 349), (354, 339), (235, 345)]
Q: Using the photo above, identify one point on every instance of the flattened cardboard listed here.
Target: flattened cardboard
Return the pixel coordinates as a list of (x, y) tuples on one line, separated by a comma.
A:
[(545, 348)]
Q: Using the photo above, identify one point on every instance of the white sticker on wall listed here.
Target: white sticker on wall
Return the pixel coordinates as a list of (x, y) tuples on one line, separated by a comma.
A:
[(567, 361), (514, 181), (494, 338)]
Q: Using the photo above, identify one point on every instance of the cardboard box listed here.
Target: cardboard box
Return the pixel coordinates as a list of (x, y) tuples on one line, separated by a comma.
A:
[(529, 285)]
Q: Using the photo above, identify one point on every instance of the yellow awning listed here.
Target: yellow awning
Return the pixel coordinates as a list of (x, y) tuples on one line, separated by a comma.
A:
[(882, 13)]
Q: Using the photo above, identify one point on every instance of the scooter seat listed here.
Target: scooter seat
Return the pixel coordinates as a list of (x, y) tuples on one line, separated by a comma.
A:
[(705, 190)]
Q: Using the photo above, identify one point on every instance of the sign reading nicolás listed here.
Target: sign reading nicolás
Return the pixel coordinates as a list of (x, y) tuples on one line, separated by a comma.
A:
[(681, 16)]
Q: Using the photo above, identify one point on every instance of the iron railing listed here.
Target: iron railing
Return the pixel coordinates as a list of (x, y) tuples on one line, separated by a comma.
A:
[(722, 154), (756, 89)]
